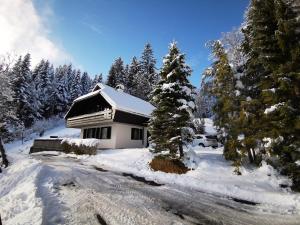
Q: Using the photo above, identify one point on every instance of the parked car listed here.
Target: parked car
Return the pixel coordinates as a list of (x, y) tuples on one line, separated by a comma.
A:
[(206, 140)]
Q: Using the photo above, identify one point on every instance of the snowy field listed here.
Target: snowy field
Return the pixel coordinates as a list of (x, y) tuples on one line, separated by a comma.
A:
[(45, 187)]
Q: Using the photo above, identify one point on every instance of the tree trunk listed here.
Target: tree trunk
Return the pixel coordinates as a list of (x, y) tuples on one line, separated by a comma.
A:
[(3, 155), (180, 150), (250, 155)]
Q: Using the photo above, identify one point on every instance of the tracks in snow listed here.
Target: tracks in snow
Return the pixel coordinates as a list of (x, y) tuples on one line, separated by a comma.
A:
[(89, 195)]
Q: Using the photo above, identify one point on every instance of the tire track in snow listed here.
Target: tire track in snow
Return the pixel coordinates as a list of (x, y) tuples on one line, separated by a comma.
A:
[(122, 200)]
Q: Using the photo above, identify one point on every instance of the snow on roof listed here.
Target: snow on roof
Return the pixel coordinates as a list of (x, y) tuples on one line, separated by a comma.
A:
[(120, 100), (93, 93)]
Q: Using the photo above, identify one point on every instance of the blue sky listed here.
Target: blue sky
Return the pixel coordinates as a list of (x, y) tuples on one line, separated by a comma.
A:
[(95, 32)]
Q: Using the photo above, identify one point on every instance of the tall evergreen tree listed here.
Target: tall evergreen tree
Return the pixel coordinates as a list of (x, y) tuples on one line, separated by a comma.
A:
[(134, 73), (281, 92), (116, 74), (174, 99), (97, 79), (45, 89), (21, 75), (61, 86), (149, 76), (53, 92), (8, 118), (85, 83), (76, 85), (70, 74), (112, 77), (226, 106)]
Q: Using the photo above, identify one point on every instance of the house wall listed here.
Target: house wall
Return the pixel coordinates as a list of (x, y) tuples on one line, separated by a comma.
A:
[(120, 136), (105, 143), (123, 136)]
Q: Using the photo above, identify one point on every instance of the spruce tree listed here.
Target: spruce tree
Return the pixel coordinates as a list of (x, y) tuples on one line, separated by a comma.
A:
[(21, 76), (134, 73), (281, 93), (116, 74), (52, 92), (97, 79), (44, 87), (85, 83), (226, 106), (270, 110), (120, 71), (61, 86), (76, 85), (174, 99), (112, 77), (8, 118), (70, 74), (149, 76), (260, 49)]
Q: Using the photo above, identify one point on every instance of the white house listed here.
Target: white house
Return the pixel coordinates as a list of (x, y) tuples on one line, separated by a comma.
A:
[(117, 119)]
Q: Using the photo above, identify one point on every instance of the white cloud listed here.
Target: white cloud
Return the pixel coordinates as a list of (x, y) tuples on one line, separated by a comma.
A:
[(23, 31)]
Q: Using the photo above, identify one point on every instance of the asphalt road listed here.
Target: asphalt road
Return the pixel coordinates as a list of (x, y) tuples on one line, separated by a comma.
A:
[(74, 193)]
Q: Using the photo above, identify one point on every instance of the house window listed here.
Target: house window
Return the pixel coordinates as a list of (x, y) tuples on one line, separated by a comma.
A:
[(105, 133), (136, 134), (99, 133)]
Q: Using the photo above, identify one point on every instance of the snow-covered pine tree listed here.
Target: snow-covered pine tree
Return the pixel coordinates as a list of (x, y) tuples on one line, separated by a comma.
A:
[(97, 79), (205, 100), (116, 74), (7, 109), (76, 86), (36, 71), (61, 86), (53, 92), (112, 77), (149, 77), (170, 125), (8, 118), (85, 83), (44, 87), (134, 74), (70, 73), (21, 75), (126, 75)]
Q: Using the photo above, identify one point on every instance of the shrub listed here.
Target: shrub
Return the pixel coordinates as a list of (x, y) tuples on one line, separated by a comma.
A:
[(292, 170), (79, 149), (164, 164)]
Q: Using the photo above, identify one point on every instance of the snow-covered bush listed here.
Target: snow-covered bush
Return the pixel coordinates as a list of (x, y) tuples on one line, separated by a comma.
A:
[(80, 146)]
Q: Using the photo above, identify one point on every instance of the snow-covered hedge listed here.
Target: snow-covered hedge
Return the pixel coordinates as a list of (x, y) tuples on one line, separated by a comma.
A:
[(80, 146)]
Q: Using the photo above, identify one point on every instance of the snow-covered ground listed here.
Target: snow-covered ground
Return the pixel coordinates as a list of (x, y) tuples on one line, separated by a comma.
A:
[(211, 174), (33, 186)]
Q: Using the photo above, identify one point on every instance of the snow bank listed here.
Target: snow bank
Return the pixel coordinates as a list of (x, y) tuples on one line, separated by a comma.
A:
[(18, 201)]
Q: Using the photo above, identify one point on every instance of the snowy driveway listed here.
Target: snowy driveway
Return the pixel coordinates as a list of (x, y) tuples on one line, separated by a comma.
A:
[(74, 193)]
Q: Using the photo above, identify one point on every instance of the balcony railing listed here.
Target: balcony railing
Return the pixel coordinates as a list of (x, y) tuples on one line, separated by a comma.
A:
[(89, 119)]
